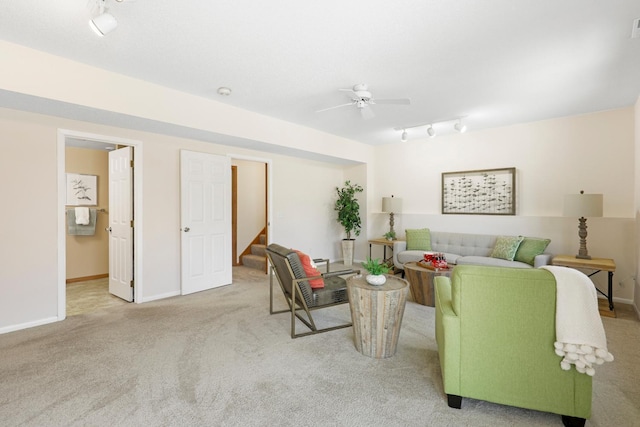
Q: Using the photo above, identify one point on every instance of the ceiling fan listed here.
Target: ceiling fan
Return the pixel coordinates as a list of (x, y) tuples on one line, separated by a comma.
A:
[(363, 99)]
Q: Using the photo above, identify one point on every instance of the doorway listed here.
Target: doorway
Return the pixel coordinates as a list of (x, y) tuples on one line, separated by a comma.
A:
[(96, 142), (250, 210)]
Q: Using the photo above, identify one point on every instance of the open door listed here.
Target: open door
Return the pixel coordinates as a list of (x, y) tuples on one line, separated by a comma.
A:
[(121, 223), (205, 203)]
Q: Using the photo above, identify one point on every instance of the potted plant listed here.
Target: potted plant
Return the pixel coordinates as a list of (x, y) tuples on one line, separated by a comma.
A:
[(349, 217), (390, 235), (377, 271)]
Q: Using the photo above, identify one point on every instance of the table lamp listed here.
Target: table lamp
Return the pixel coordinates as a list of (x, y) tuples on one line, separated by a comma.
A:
[(391, 205), (583, 206)]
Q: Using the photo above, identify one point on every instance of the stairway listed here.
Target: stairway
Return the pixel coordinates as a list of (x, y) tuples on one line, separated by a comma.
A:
[(257, 259)]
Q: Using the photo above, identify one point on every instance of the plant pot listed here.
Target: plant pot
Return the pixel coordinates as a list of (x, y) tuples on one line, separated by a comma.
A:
[(376, 279), (347, 252)]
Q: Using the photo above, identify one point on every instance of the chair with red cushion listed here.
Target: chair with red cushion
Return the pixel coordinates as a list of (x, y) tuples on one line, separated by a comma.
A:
[(299, 293)]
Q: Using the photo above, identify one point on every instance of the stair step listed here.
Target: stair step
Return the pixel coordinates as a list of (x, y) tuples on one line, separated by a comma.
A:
[(259, 250), (263, 239), (255, 261)]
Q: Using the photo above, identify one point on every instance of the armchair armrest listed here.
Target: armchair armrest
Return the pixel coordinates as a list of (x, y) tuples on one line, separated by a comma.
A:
[(323, 261)]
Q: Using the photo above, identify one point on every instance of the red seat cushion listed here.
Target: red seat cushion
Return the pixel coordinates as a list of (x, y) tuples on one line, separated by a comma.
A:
[(310, 270)]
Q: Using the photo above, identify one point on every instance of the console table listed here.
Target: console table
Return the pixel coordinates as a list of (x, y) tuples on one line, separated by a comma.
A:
[(376, 312), (597, 264)]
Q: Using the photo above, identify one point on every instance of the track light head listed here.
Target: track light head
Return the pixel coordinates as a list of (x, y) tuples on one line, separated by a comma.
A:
[(460, 127), (103, 24), (405, 136), (431, 131)]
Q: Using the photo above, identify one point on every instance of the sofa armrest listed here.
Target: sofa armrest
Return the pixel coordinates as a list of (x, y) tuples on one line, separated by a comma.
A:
[(398, 246), (542, 259)]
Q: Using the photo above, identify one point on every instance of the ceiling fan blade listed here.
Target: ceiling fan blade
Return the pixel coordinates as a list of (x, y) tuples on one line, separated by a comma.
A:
[(367, 113), (331, 108), (397, 101)]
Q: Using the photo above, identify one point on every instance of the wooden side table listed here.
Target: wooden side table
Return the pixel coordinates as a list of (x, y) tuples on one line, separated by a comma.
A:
[(386, 244), (421, 282), (376, 313), (597, 264)]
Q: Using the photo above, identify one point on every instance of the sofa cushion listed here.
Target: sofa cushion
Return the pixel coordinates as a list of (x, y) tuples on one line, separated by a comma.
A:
[(491, 262), (506, 247), (462, 243), (530, 248), (418, 239)]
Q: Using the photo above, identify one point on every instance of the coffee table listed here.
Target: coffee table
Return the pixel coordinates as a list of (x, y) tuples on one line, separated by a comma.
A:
[(421, 282)]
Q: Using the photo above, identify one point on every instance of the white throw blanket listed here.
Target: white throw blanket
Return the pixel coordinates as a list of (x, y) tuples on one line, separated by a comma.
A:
[(82, 215), (580, 338)]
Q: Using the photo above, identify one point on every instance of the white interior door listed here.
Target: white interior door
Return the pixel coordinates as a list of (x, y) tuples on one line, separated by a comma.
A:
[(205, 193), (121, 223)]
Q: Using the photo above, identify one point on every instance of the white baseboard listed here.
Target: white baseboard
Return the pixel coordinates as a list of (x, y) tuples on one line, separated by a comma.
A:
[(13, 328), (161, 296)]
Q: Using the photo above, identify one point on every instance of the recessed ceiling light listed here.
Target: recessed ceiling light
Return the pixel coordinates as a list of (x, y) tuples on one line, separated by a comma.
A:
[(224, 91)]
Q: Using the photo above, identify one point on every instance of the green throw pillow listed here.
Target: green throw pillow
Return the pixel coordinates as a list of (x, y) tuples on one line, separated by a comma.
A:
[(418, 239), (529, 248), (506, 247)]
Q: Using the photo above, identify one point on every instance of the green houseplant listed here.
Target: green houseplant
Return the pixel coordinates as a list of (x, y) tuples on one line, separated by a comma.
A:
[(376, 270), (348, 210)]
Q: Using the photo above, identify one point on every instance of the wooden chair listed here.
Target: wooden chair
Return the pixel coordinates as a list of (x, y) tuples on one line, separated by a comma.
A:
[(288, 270)]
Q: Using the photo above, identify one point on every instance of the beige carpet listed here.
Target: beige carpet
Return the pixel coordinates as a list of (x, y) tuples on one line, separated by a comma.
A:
[(90, 295), (217, 358)]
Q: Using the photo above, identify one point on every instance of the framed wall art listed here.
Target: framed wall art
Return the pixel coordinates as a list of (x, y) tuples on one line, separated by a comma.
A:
[(82, 190), (479, 192)]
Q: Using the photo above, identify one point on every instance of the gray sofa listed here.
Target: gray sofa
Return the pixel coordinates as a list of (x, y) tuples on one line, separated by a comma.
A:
[(463, 248)]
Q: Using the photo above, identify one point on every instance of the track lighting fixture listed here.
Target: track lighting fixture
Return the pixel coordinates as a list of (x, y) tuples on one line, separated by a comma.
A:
[(104, 22), (431, 131), (460, 127)]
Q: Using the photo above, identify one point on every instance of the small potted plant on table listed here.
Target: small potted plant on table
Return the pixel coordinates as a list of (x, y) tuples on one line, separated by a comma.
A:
[(377, 271)]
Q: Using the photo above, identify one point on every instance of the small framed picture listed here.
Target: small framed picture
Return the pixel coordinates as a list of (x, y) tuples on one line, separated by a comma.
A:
[(82, 190)]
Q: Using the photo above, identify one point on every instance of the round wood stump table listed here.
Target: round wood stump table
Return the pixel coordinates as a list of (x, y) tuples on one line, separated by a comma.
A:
[(421, 281), (376, 312)]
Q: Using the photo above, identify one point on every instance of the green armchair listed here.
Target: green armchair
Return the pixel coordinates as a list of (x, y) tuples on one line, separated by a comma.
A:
[(495, 329)]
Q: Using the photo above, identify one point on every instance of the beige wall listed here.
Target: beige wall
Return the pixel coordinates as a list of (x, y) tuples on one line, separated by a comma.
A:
[(593, 152), (302, 210), (89, 255)]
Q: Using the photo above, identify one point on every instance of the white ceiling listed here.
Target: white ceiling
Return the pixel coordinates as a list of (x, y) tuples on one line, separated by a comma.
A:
[(495, 62)]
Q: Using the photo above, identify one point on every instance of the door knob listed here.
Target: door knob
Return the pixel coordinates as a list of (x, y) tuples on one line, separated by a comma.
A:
[(107, 229), (186, 229)]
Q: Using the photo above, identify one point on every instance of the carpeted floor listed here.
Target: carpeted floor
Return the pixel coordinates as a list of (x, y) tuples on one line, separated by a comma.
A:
[(217, 358), (90, 295)]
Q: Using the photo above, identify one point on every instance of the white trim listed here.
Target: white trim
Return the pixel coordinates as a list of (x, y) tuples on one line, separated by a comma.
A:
[(63, 134), (13, 328), (162, 296), (268, 162)]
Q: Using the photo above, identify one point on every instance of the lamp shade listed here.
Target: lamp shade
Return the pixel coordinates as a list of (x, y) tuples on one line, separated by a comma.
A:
[(583, 205), (391, 204)]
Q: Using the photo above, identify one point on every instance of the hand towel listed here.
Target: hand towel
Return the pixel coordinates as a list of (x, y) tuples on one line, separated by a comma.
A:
[(82, 215), (580, 337)]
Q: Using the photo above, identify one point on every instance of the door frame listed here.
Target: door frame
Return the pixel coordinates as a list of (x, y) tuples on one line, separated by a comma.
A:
[(268, 183), (63, 134)]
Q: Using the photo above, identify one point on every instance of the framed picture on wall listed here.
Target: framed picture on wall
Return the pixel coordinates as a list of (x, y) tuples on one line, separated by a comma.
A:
[(479, 192), (82, 190)]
